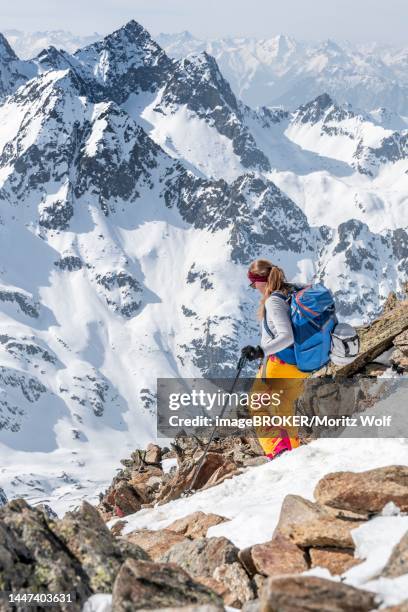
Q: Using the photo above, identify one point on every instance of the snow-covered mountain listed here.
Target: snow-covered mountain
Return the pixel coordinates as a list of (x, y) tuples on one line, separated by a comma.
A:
[(30, 44), (134, 191), (282, 70)]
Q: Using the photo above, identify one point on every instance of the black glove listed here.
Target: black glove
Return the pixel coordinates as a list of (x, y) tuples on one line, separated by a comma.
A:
[(252, 352)]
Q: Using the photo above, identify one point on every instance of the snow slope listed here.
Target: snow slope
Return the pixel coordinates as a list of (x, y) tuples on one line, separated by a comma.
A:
[(252, 502)]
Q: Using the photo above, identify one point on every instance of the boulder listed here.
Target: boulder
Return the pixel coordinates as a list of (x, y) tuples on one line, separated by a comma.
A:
[(245, 557), (153, 454), (118, 527), (365, 491), (125, 500), (297, 509), (202, 556), (303, 593), (259, 582), (34, 558), (279, 556), (375, 339), (220, 588), (322, 531), (216, 467), (401, 339), (144, 480), (142, 584), (195, 525), (399, 355), (336, 560), (397, 564), (234, 577), (101, 555), (155, 543)]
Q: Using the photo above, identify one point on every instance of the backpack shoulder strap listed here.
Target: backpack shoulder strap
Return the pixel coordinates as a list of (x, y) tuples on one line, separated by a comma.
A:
[(282, 296)]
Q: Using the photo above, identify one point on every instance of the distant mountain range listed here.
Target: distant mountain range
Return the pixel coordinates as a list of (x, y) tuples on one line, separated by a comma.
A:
[(279, 70)]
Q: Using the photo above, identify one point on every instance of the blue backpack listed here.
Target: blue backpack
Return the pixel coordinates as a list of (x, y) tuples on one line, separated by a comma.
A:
[(313, 317)]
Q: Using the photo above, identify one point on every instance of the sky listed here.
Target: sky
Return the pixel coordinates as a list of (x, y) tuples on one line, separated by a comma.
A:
[(354, 20)]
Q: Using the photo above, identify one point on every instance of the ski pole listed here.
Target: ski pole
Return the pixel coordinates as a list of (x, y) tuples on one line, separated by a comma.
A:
[(240, 366)]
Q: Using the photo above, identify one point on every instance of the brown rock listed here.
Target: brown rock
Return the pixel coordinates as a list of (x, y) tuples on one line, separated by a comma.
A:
[(303, 593), (375, 339), (348, 515), (391, 302), (125, 499), (245, 557), (401, 339), (296, 509), (118, 527), (322, 531), (397, 564), (155, 543), (227, 470), (221, 589), (195, 525), (336, 560), (365, 491), (142, 584), (144, 482), (200, 557), (214, 469), (279, 556), (153, 454), (234, 577), (259, 582)]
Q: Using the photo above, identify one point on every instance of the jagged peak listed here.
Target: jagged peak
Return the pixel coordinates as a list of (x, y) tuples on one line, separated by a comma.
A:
[(315, 110), (323, 101), (132, 34), (51, 52), (6, 52), (331, 46), (56, 82), (205, 63)]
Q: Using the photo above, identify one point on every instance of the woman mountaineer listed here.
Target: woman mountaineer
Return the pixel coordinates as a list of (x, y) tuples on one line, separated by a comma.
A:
[(276, 350)]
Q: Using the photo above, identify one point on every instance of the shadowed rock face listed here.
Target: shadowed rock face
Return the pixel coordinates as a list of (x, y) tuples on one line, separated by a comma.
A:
[(33, 557), (197, 83), (13, 72), (158, 585), (76, 555)]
